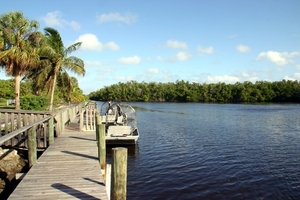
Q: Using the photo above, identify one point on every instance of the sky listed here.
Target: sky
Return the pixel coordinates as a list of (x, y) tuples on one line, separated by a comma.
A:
[(202, 41)]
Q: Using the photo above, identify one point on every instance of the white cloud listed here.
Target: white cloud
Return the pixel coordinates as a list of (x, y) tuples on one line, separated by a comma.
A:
[(297, 67), (176, 44), (107, 70), (242, 48), (90, 42), (124, 78), (165, 71), (297, 76), (294, 77), (93, 63), (54, 19), (160, 58), (112, 46), (280, 69), (233, 36), (127, 18), (245, 74), (74, 25), (225, 78), (206, 50), (182, 56), (277, 57), (289, 78), (153, 70), (134, 60)]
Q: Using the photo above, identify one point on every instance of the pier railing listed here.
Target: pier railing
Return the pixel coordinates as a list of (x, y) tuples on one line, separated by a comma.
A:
[(34, 129), (88, 117)]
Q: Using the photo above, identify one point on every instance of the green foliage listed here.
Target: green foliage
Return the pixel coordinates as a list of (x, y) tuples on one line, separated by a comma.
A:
[(40, 59), (181, 91), (19, 47), (60, 97), (31, 102), (7, 90)]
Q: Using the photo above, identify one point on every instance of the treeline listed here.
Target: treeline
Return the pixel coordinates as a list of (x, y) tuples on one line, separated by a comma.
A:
[(184, 91)]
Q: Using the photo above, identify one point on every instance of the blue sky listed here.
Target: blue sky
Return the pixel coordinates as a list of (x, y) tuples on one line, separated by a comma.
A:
[(203, 41)]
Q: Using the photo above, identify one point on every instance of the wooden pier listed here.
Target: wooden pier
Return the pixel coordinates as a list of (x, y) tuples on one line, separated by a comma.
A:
[(68, 169)]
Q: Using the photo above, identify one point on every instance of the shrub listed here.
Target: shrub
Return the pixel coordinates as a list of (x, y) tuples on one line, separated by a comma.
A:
[(31, 102)]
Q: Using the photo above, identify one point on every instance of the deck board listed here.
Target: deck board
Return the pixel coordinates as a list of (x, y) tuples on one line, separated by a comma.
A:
[(68, 169)]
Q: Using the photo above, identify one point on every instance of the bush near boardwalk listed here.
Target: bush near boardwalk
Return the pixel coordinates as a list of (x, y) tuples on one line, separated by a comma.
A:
[(31, 102)]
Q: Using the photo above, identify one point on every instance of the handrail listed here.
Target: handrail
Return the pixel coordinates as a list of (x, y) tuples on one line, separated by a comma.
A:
[(88, 123), (21, 130), (26, 111), (35, 132), (12, 118)]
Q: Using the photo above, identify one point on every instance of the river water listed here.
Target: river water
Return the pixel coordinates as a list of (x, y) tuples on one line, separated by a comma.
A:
[(215, 151)]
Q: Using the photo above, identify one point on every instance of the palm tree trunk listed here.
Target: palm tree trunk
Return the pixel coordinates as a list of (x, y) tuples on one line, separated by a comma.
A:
[(17, 92), (52, 92)]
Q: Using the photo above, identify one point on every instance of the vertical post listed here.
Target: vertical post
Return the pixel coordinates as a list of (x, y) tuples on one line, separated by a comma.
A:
[(51, 131), (6, 126), (100, 136), (108, 179), (102, 149), (57, 125), (94, 118), (81, 121), (119, 174), (62, 126), (98, 122), (86, 118), (68, 113), (32, 146)]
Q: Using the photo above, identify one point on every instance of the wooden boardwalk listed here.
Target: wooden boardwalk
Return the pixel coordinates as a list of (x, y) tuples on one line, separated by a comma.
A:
[(68, 169)]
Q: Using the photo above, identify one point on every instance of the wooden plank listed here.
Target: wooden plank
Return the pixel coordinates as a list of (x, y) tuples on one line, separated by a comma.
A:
[(68, 169)]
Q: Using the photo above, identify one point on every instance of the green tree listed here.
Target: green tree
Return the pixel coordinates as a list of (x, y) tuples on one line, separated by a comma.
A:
[(7, 89), (76, 94), (19, 42), (59, 62)]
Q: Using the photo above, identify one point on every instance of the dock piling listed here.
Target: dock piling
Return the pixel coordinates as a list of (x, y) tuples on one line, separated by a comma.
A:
[(119, 174), (100, 137)]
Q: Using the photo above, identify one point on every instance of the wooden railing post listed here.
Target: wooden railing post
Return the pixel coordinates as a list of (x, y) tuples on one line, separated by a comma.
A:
[(119, 174), (81, 121), (102, 148), (51, 131), (100, 136), (62, 124), (68, 115), (98, 122), (32, 146)]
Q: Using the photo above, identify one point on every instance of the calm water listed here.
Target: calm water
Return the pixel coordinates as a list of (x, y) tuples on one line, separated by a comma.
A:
[(215, 151)]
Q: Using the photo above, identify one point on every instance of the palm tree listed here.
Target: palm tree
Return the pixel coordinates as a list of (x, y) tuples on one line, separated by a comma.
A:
[(60, 63), (19, 42)]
